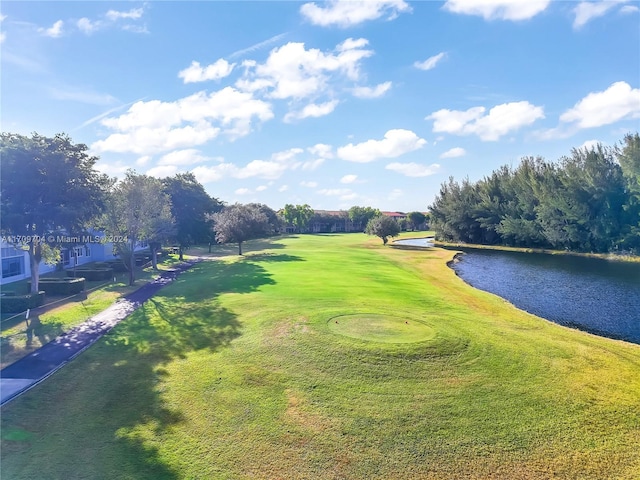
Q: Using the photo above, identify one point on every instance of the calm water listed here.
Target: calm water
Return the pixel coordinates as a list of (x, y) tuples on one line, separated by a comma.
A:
[(416, 242), (596, 295)]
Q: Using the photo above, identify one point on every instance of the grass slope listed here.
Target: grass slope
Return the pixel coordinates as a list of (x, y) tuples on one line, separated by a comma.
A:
[(235, 371)]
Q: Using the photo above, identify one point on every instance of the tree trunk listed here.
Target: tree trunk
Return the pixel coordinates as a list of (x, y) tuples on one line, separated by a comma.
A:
[(132, 265), (35, 255), (209, 247), (239, 248), (180, 253), (154, 258)]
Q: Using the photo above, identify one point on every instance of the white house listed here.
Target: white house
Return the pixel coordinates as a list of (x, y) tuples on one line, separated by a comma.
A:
[(15, 262)]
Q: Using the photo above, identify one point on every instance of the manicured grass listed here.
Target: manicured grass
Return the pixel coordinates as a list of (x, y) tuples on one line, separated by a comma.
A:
[(20, 336), (236, 371)]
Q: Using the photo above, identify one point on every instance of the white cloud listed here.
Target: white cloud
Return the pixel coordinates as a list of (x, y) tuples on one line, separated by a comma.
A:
[(322, 150), (454, 152), (589, 144), (162, 171), (342, 193), (261, 188), (349, 179), (286, 155), (215, 71), (145, 140), (291, 71), (155, 126), (500, 120), (3, 36), (616, 103), (188, 156), (132, 14), (413, 169), (309, 184), (242, 191), (144, 160), (395, 143), (88, 26), (345, 13), (206, 174), (263, 169), (54, 31), (113, 19), (430, 62), (283, 188), (587, 11), (312, 164), (312, 110), (629, 9), (269, 169), (372, 92), (117, 169), (498, 9)]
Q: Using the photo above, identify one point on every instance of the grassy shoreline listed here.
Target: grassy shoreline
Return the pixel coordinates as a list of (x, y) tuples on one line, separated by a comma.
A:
[(603, 256), (238, 370)]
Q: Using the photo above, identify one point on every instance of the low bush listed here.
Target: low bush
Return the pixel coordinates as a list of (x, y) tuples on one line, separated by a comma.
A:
[(60, 286), (117, 265), (91, 274), (19, 303)]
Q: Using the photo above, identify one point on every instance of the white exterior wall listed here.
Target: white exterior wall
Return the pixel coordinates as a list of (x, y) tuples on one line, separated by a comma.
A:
[(13, 259)]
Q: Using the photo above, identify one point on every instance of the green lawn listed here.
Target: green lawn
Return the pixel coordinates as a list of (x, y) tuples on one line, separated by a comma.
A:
[(238, 370)]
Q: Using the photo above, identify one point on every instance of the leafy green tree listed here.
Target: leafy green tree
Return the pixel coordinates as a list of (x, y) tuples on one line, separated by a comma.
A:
[(274, 221), (238, 223), (360, 216), (452, 212), (138, 209), (48, 185), (628, 155), (298, 215), (383, 227), (519, 225), (190, 205), (416, 219)]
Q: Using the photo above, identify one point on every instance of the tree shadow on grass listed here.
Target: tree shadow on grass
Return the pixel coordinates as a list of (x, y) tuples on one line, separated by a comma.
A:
[(229, 249), (105, 414), (273, 257)]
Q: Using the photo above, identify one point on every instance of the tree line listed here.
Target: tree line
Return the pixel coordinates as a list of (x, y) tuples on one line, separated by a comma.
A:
[(588, 201), (52, 196)]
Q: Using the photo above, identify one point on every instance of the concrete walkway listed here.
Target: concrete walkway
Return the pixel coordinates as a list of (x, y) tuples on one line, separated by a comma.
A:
[(32, 369)]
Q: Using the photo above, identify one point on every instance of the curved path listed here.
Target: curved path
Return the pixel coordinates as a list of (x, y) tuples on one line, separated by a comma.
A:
[(32, 369)]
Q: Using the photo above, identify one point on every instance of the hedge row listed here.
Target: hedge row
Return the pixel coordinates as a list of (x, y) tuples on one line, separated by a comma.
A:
[(91, 274), (20, 303), (60, 286)]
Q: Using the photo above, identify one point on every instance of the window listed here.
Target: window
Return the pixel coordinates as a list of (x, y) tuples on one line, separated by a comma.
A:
[(10, 252), (12, 266)]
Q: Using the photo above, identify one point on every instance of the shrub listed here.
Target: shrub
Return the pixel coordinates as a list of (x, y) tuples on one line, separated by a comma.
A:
[(116, 265), (19, 303), (92, 274), (61, 286)]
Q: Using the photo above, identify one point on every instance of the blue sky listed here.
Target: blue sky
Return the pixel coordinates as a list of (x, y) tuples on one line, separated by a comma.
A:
[(334, 104)]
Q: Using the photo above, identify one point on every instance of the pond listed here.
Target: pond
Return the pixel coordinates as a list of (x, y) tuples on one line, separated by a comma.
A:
[(596, 295), (415, 242)]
